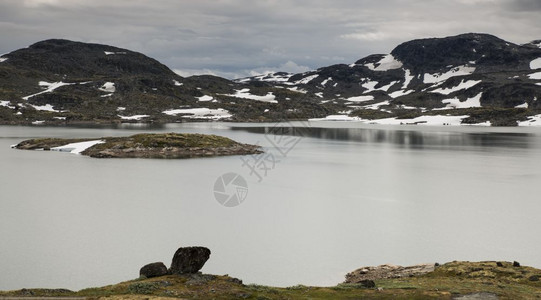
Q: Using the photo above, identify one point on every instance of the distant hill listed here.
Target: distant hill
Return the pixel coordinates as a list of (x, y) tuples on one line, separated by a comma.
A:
[(478, 76)]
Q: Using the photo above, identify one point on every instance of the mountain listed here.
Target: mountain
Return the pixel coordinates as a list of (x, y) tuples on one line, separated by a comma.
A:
[(61, 81), (477, 76)]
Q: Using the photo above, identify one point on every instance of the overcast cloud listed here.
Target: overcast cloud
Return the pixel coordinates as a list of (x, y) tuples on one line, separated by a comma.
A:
[(236, 38)]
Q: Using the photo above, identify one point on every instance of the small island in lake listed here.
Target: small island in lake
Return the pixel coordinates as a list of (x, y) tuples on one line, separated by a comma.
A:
[(166, 145)]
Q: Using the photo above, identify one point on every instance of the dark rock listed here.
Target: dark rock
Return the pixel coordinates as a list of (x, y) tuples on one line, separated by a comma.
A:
[(534, 278), (367, 283), (153, 270), (235, 280), (189, 260), (499, 264), (516, 264)]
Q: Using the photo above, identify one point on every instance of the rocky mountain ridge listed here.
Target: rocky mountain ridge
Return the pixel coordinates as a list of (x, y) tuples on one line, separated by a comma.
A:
[(470, 78)]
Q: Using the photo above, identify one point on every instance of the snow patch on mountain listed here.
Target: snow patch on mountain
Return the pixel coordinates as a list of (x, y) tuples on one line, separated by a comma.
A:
[(205, 98), (535, 75), (6, 104), (407, 78), (376, 106), (463, 85), (371, 86), (360, 98), (108, 87), (535, 64), (324, 82), (113, 53), (388, 62), (175, 82), (3, 59), (46, 107), (298, 90), (306, 79), (50, 86), (244, 93), (470, 102), (400, 93), (523, 105), (458, 71)]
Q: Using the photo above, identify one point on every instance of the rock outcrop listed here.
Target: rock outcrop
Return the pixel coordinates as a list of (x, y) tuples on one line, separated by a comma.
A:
[(367, 274), (189, 260)]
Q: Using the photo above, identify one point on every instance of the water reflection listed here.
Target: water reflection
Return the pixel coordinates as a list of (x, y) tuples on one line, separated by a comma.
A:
[(414, 139)]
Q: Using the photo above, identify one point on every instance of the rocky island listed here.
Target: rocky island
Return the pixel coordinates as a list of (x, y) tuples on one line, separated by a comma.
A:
[(167, 145)]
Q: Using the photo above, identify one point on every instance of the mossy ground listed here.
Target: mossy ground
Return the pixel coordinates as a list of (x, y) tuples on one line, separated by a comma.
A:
[(446, 282)]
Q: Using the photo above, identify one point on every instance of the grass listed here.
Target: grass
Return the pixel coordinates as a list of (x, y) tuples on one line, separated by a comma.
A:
[(447, 281), (181, 140)]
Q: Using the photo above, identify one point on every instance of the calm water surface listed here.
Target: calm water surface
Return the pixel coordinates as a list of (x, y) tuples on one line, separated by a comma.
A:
[(345, 196)]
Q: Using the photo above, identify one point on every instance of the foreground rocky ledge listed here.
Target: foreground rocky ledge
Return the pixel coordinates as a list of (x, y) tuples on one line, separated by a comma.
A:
[(168, 145), (453, 280)]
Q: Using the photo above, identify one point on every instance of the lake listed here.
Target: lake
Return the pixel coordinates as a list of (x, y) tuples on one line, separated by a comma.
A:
[(324, 200)]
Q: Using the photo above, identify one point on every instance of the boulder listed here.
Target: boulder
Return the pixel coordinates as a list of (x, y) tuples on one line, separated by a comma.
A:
[(189, 260), (153, 270)]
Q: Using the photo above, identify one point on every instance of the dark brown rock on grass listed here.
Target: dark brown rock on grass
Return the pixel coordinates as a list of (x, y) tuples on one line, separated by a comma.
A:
[(166, 145), (189, 260), (153, 270)]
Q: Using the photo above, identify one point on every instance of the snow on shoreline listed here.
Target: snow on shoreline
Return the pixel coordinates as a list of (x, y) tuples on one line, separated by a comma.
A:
[(437, 120), (135, 117), (77, 148), (200, 113)]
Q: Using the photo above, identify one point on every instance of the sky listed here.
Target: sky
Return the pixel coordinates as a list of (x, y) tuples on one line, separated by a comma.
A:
[(239, 38)]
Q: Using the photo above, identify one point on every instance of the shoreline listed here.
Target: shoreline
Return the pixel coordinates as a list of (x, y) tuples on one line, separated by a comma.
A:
[(452, 280)]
